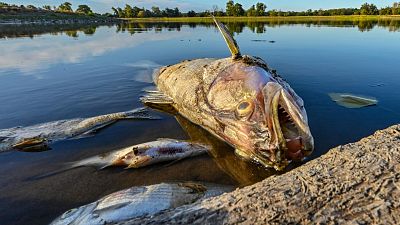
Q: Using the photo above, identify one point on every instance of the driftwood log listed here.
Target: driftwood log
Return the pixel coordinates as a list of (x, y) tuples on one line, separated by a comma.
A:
[(358, 183)]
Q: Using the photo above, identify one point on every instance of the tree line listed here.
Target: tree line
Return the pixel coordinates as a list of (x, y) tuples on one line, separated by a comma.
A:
[(231, 9), (259, 9), (65, 7)]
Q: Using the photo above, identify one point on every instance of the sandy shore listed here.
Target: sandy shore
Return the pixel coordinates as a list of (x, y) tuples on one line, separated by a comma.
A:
[(357, 183)]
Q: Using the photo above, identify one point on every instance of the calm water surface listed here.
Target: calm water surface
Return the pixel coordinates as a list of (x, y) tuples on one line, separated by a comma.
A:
[(51, 73)]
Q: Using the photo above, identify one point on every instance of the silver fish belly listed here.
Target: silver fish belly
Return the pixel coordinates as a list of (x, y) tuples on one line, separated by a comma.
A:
[(138, 201)]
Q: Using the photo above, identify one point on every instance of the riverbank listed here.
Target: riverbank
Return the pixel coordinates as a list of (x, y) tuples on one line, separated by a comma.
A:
[(260, 19), (50, 17), (357, 183)]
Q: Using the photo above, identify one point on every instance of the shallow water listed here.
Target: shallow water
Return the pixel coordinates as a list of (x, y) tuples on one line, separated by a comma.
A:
[(50, 73)]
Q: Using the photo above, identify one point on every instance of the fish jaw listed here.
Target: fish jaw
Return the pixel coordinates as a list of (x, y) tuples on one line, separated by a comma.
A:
[(291, 138)]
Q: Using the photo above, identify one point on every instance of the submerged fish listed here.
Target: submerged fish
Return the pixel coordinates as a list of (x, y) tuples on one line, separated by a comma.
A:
[(352, 101), (241, 101), (145, 154), (138, 201), (37, 137)]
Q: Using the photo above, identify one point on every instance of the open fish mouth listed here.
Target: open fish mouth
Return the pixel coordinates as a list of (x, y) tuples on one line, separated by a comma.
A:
[(291, 138)]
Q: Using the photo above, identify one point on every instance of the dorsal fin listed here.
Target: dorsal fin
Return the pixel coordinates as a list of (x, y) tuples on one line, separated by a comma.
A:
[(230, 41)]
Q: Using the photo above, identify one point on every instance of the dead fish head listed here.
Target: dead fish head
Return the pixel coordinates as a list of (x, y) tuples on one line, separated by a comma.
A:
[(259, 113), (135, 158)]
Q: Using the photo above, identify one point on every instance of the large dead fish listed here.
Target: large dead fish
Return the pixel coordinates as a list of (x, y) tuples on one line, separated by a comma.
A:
[(241, 101), (37, 137), (138, 201), (145, 154)]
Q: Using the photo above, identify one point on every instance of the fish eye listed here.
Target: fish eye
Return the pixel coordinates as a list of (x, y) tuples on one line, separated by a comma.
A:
[(244, 108)]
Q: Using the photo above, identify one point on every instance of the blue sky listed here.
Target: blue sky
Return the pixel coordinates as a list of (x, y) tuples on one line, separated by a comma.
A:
[(185, 5)]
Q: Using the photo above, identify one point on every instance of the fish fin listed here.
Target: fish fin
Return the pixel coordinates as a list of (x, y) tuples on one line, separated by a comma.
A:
[(230, 41), (156, 97), (139, 113)]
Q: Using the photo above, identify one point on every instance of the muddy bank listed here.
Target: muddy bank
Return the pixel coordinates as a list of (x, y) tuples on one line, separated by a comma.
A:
[(357, 183)]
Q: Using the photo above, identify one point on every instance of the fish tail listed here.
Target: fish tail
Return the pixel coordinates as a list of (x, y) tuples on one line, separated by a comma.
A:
[(138, 113), (95, 161)]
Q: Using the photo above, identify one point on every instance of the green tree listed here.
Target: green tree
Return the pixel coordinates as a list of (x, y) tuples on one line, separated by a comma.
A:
[(260, 9), (369, 9), (65, 7), (46, 7), (115, 11), (128, 11), (230, 8), (191, 13), (84, 9), (385, 11), (238, 10), (3, 4), (141, 14), (396, 8), (121, 13), (251, 11), (156, 11)]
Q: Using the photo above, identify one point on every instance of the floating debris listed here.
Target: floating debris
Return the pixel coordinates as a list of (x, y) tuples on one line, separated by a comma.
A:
[(377, 85), (352, 101), (262, 40), (138, 201), (259, 40)]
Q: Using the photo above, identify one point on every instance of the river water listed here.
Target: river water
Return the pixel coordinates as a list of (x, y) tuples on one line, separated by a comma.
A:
[(58, 72)]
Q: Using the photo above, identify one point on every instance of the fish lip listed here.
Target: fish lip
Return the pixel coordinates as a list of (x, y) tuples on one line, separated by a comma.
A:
[(300, 122), (276, 96)]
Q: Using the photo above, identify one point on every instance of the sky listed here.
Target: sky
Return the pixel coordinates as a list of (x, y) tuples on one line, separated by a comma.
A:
[(103, 6)]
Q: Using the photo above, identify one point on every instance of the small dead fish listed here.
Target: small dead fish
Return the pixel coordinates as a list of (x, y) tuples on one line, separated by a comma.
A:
[(145, 154), (352, 101), (138, 201), (37, 137)]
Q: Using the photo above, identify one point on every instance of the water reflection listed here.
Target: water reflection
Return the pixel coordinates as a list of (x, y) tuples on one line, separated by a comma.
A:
[(30, 56), (32, 30), (260, 26), (73, 30), (242, 171)]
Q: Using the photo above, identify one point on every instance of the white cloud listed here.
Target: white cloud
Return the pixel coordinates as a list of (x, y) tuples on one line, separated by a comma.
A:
[(28, 56)]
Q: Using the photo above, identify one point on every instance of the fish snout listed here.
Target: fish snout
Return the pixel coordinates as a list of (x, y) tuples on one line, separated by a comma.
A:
[(286, 119)]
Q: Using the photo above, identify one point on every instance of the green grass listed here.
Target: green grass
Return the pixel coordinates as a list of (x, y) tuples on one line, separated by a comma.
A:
[(261, 19)]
